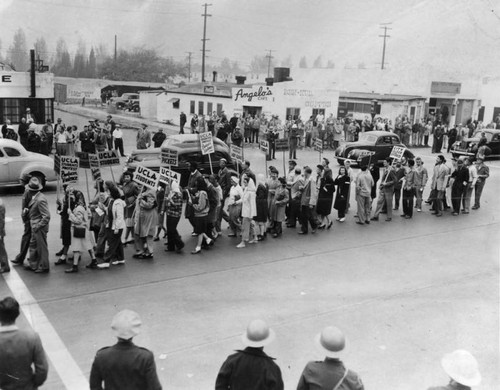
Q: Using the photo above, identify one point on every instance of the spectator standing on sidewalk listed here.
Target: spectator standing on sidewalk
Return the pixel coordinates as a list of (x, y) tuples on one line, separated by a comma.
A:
[(251, 368), (118, 138), (124, 365), (143, 138), (4, 262), (23, 364), (462, 368)]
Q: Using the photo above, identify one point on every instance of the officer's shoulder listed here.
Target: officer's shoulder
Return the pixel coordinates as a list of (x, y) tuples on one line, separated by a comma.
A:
[(144, 350), (103, 349)]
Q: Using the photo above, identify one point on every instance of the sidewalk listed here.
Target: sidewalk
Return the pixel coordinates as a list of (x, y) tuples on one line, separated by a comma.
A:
[(125, 119)]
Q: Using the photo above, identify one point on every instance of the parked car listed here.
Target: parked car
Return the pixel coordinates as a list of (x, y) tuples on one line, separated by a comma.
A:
[(16, 163), (188, 149), (125, 100), (468, 147), (134, 106), (377, 143)]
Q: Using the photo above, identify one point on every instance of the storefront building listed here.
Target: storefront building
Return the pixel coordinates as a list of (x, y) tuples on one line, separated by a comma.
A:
[(18, 91)]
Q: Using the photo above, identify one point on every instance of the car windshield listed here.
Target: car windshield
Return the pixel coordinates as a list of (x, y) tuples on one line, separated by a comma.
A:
[(477, 134), (367, 137)]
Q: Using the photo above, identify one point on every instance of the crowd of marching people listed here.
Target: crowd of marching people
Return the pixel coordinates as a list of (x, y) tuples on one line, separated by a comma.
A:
[(255, 207)]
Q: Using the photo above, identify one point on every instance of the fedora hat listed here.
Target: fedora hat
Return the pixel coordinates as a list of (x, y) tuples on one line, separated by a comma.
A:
[(126, 324), (258, 334), (34, 184), (462, 367), (330, 341)]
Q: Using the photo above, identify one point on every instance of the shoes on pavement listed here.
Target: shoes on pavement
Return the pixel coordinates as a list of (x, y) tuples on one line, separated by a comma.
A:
[(301, 232), (454, 213), (71, 270), (196, 251), (408, 217), (103, 265), (42, 271), (240, 245), (475, 207), (342, 219), (138, 255), (60, 252), (388, 219), (439, 214), (359, 223), (374, 219), (4, 270), (28, 268), (419, 210), (118, 262), (92, 265), (367, 222), (330, 225), (60, 262), (17, 262)]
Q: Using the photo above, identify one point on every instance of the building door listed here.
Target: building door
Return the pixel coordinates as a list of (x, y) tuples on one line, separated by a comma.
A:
[(317, 111), (252, 111), (496, 113), (412, 114)]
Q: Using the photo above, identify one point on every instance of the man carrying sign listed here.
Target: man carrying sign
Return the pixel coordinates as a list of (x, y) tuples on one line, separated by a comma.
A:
[(386, 191)]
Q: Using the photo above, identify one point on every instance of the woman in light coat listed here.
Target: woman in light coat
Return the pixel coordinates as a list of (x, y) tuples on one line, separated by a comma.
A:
[(79, 217), (145, 221), (248, 211)]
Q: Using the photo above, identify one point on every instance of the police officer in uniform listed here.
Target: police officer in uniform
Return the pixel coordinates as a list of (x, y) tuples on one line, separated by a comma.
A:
[(124, 366)]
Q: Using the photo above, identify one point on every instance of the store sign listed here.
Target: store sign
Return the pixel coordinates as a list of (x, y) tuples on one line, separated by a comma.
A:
[(236, 153), (209, 89), (18, 85), (249, 94), (83, 91), (442, 87)]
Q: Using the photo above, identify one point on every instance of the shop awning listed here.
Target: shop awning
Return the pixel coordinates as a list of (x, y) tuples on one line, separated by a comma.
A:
[(173, 100)]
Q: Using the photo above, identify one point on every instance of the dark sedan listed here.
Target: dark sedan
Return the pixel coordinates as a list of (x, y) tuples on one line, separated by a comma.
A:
[(377, 144), (188, 150), (468, 147)]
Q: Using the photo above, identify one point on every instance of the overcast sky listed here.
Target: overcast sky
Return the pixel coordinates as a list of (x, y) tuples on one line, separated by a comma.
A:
[(237, 29)]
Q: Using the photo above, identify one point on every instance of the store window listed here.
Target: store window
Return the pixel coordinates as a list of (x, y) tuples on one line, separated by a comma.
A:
[(176, 103), (219, 108), (200, 108), (11, 109), (192, 107), (293, 112), (210, 108), (317, 111)]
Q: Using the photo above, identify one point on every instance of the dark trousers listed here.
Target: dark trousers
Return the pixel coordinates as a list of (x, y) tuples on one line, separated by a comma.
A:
[(397, 197), (278, 229), (39, 251), (255, 135), (4, 262), (115, 246), (307, 218), (408, 196), (25, 243), (458, 193), (426, 140), (294, 213), (174, 239), (101, 242), (119, 146), (110, 143), (436, 198)]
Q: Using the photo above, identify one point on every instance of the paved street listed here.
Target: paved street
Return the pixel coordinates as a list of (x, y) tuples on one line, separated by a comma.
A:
[(404, 292)]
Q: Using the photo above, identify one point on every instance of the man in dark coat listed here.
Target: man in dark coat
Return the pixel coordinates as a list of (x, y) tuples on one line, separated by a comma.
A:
[(329, 373), (124, 365), (183, 120), (23, 364), (87, 139), (251, 368), (26, 237), (158, 138), (23, 132)]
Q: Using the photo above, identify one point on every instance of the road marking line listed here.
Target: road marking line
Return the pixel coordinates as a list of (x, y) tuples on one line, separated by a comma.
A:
[(66, 367)]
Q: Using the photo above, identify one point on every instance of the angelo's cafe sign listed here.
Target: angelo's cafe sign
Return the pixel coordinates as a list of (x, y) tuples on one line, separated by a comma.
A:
[(249, 95), (17, 85)]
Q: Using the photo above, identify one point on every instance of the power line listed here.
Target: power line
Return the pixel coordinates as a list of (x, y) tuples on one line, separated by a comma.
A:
[(385, 36), (204, 40)]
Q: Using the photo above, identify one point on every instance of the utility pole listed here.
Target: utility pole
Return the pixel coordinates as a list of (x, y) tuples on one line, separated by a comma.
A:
[(115, 47), (204, 40), (269, 56), (189, 65), (385, 36)]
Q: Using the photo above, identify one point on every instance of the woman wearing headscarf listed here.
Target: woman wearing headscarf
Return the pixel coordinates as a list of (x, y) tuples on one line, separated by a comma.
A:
[(81, 239), (145, 221), (343, 183), (234, 207), (248, 211), (115, 224), (325, 198), (199, 201), (173, 207), (277, 211), (262, 207), (130, 191)]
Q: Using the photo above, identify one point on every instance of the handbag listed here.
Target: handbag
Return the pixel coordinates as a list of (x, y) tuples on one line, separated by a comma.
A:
[(79, 231)]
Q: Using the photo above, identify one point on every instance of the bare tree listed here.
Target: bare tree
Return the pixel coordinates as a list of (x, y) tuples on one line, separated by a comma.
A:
[(318, 62), (41, 50), (19, 56)]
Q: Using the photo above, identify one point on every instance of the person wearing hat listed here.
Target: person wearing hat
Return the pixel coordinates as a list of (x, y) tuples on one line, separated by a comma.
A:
[(26, 237), (483, 172), (159, 137), (39, 216), (124, 365), (293, 141), (462, 368), (182, 121), (251, 368), (143, 138), (29, 116), (234, 207), (330, 373), (23, 364)]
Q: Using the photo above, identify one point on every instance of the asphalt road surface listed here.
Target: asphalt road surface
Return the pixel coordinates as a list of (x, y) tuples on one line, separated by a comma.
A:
[(404, 292)]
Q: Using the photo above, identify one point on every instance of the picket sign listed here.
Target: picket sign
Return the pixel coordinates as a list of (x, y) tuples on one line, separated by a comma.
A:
[(146, 177), (167, 175)]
